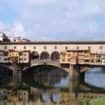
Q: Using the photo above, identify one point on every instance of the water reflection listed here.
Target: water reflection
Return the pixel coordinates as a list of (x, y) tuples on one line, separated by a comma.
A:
[(95, 77), (5, 76), (45, 97), (45, 76), (55, 98), (55, 77), (64, 82)]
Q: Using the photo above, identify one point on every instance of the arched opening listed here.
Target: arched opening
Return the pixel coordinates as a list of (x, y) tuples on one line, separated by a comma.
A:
[(45, 76), (94, 77), (55, 55), (5, 76), (34, 55), (44, 56)]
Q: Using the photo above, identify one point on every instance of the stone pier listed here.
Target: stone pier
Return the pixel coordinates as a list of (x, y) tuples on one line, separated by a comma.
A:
[(74, 84), (17, 76)]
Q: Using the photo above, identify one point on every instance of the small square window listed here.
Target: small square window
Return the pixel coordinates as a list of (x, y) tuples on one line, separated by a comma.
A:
[(14, 47), (101, 47), (34, 47), (25, 59), (77, 47), (89, 47), (24, 47), (45, 47), (25, 54), (5, 59), (63, 60), (69, 55), (55, 47), (69, 59), (5, 47), (66, 47)]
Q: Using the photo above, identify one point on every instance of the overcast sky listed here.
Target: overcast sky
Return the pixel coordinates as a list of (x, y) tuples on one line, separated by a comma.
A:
[(53, 19)]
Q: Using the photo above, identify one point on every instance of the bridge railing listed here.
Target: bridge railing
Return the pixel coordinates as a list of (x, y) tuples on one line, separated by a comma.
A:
[(47, 61)]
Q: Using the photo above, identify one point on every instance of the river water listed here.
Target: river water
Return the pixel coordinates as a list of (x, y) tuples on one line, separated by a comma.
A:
[(95, 77), (56, 78), (53, 77)]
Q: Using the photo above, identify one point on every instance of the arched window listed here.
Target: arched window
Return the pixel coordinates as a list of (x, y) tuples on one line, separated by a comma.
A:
[(44, 55), (55, 55), (34, 55)]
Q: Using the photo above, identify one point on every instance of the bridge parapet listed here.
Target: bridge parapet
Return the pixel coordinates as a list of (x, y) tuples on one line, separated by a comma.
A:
[(47, 62), (55, 63)]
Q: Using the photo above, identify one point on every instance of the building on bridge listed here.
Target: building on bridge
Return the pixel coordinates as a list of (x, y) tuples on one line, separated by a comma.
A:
[(61, 54), (74, 57)]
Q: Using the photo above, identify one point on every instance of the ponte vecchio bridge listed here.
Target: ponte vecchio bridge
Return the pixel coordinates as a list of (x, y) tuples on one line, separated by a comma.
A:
[(74, 57)]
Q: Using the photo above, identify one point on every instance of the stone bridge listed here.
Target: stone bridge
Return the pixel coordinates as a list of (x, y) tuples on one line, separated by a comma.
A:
[(73, 57)]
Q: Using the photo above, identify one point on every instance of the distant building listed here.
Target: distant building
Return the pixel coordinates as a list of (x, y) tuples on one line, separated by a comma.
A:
[(3, 37), (19, 39)]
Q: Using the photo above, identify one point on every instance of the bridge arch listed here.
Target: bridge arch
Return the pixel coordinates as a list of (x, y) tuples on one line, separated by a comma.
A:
[(45, 65), (6, 75), (55, 55), (55, 66), (89, 68), (44, 55), (44, 74), (34, 55), (85, 69), (89, 76), (5, 67)]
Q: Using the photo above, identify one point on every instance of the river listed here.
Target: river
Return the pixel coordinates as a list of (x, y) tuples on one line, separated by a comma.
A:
[(95, 77)]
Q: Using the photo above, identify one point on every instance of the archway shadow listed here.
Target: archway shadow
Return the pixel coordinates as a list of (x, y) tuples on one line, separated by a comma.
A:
[(5, 76), (43, 76)]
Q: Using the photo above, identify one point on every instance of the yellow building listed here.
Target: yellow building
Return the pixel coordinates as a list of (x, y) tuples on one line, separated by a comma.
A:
[(68, 57), (84, 57), (19, 57), (75, 57), (13, 56)]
